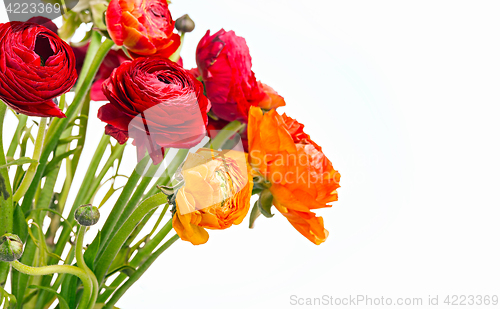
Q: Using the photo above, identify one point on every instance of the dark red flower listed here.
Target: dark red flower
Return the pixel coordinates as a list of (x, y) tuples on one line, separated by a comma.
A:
[(36, 66), (225, 65), (113, 59), (157, 103)]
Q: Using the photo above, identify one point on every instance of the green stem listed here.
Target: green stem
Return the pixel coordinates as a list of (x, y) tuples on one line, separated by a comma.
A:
[(108, 228), (173, 166), (42, 302), (124, 232), (15, 139), (95, 41), (151, 245), (59, 269), (87, 183), (81, 263), (114, 222), (175, 56), (139, 272), (30, 173), (82, 196), (115, 154), (6, 204), (44, 202), (82, 131), (226, 133), (136, 197), (139, 258)]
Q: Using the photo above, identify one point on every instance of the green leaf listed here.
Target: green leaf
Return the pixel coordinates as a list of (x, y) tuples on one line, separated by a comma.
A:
[(120, 260), (116, 242), (98, 9), (108, 195), (258, 185), (12, 302), (100, 306), (52, 165), (20, 161), (62, 302), (91, 252), (126, 269), (20, 225), (69, 290), (254, 214), (67, 140), (65, 221), (10, 299), (71, 22), (265, 203), (81, 118)]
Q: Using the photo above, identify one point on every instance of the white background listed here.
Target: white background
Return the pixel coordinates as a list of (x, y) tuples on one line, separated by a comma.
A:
[(403, 96)]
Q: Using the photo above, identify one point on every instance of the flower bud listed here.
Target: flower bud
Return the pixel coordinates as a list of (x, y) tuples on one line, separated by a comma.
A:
[(87, 215), (184, 24), (11, 248)]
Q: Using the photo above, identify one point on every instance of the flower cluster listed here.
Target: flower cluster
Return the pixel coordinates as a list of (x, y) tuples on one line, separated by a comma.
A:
[(232, 146)]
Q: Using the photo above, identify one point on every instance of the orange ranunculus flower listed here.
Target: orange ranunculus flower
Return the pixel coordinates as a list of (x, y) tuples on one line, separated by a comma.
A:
[(300, 176), (143, 27), (216, 193), (272, 99)]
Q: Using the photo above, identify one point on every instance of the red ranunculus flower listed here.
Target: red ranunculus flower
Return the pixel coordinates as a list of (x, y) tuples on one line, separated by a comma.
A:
[(113, 60), (144, 27), (226, 68), (36, 66), (157, 103)]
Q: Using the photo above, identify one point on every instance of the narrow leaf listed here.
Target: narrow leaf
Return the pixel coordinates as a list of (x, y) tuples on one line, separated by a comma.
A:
[(91, 252), (20, 161), (62, 302), (58, 159), (126, 269), (265, 203), (67, 140), (20, 225), (254, 214), (69, 290)]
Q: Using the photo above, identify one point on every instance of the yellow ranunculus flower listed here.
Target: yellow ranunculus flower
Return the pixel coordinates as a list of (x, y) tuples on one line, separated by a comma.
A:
[(216, 193)]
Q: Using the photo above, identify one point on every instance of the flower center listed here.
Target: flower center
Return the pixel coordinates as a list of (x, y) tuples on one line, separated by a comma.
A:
[(43, 48), (164, 79), (226, 185), (157, 10)]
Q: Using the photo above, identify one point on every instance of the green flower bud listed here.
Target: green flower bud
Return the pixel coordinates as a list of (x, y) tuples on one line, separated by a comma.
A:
[(184, 24), (87, 215), (11, 248)]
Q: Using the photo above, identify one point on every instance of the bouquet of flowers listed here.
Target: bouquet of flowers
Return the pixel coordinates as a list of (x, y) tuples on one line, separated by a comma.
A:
[(229, 141)]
